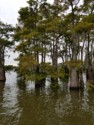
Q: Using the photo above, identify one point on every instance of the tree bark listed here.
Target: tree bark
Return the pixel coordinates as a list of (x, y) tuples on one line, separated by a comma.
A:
[(89, 70), (2, 69), (90, 74), (2, 74), (55, 60), (74, 79)]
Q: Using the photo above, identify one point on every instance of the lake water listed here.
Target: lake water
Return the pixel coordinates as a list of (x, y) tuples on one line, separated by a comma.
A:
[(23, 105)]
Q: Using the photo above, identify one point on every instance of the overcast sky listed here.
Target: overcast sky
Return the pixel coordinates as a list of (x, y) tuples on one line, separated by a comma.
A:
[(9, 14), (9, 10)]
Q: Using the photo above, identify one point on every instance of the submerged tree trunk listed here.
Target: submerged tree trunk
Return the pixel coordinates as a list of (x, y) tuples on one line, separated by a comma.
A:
[(2, 74), (89, 69), (2, 69), (39, 83), (90, 74), (74, 82)]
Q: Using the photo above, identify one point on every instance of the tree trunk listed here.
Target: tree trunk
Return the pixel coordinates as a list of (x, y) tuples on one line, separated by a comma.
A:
[(90, 74), (2, 74), (55, 61), (39, 83), (2, 69), (89, 70), (74, 79)]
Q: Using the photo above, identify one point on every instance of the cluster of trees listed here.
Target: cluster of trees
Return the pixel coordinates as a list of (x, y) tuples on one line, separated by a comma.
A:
[(48, 33)]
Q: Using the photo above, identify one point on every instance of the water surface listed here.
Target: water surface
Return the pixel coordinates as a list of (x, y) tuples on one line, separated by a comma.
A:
[(21, 104)]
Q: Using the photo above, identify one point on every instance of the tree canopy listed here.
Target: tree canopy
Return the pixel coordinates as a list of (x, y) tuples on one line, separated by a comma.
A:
[(48, 33)]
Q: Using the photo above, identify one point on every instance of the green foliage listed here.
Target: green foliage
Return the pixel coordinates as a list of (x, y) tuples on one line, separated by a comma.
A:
[(26, 64), (5, 34), (84, 27), (5, 40), (73, 64), (10, 67), (35, 76)]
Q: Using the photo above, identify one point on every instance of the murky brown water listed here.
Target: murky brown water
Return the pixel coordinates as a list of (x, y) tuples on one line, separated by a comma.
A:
[(23, 105)]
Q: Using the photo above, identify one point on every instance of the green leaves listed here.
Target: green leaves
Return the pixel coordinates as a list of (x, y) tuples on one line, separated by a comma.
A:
[(73, 64), (5, 42), (84, 27), (5, 35)]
